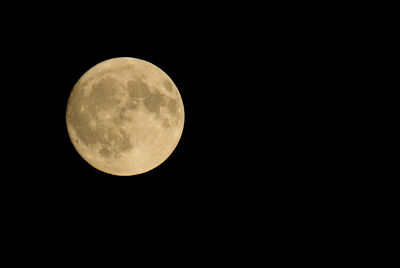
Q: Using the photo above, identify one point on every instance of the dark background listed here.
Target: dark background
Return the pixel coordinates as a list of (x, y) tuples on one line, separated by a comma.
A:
[(259, 146), (211, 60), (210, 177), (248, 79)]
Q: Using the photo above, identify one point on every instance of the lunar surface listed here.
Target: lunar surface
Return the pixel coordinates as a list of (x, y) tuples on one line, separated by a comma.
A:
[(125, 116)]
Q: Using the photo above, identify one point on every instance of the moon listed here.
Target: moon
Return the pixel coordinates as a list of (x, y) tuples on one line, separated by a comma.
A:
[(125, 116)]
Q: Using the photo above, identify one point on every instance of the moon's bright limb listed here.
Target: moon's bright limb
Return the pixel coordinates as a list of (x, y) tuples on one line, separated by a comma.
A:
[(125, 116)]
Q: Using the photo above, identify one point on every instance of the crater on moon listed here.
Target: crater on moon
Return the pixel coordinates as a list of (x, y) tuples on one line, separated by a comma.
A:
[(125, 116)]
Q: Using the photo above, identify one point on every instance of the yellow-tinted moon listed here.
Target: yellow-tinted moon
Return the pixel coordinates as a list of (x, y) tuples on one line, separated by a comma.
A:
[(125, 116)]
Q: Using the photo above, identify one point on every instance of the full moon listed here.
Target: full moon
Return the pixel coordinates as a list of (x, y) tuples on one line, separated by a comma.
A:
[(125, 116)]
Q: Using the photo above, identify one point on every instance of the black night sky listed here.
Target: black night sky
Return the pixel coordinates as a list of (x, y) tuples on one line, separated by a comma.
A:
[(254, 139), (205, 64)]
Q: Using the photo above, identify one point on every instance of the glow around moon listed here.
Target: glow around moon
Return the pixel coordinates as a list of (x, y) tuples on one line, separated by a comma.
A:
[(125, 116)]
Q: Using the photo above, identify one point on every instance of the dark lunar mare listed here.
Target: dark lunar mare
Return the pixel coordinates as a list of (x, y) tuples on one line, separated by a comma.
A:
[(112, 140)]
